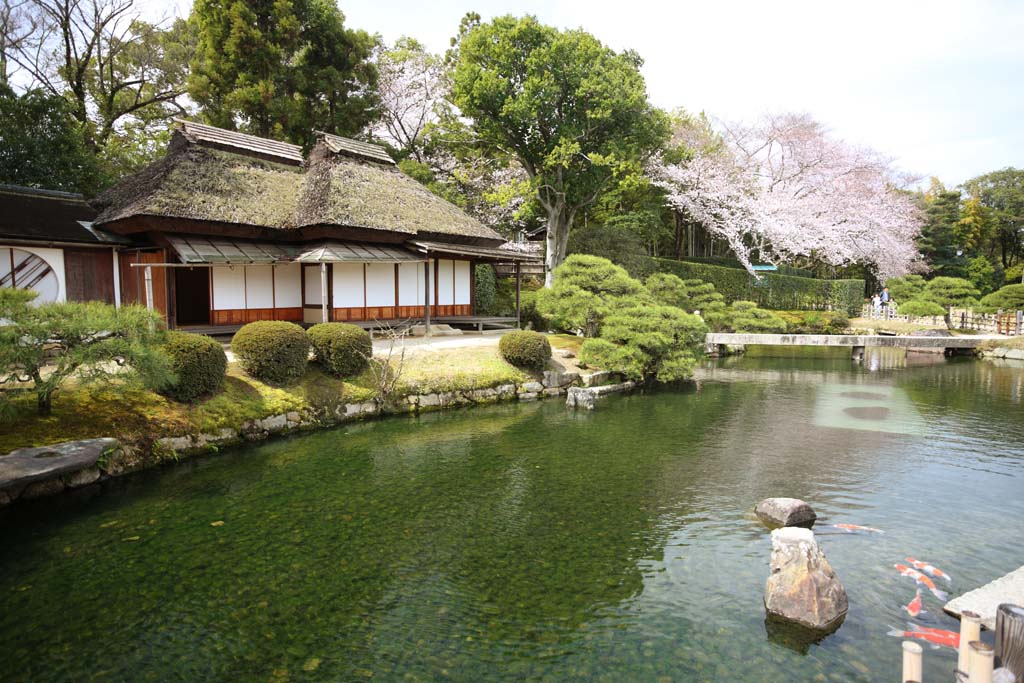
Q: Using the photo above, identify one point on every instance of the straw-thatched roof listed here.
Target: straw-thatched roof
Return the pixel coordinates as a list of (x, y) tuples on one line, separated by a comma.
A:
[(331, 189)]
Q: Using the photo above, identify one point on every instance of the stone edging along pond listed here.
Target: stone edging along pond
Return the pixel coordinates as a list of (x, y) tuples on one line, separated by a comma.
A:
[(30, 473)]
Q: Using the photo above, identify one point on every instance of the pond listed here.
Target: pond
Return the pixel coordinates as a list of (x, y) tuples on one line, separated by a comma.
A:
[(525, 542)]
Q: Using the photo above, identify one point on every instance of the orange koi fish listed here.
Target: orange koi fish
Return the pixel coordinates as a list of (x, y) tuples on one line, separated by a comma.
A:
[(914, 607), (921, 579), (934, 636), (930, 569), (850, 528)]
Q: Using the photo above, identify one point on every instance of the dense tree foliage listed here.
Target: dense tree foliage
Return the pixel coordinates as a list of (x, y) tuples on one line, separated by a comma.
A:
[(281, 69), (45, 345), (41, 144), (586, 290), (571, 111)]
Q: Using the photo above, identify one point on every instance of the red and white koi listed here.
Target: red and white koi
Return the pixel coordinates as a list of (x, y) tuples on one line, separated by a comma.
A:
[(930, 569), (851, 528), (935, 636), (914, 608), (922, 580)]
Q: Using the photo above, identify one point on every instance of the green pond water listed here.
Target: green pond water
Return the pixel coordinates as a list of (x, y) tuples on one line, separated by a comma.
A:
[(526, 542)]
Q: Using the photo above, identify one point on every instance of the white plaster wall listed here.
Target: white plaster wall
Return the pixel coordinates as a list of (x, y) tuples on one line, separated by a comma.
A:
[(259, 287), (288, 285), (380, 284), (410, 284), (52, 289), (228, 287), (445, 280), (463, 282), (348, 285), (314, 291)]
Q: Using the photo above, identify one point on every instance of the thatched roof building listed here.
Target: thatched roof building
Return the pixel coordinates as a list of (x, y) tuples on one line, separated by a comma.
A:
[(241, 185), (229, 228)]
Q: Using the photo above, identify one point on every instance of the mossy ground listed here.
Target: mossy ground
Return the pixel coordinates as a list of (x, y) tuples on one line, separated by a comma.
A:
[(1007, 343), (133, 414)]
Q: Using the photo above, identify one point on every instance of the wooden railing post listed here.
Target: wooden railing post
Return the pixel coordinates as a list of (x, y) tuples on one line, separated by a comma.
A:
[(1010, 638), (912, 664)]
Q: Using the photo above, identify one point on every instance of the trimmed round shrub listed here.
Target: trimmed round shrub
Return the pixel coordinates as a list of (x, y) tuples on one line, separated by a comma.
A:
[(1009, 298), (920, 309), (272, 350), (198, 361), (342, 349), (525, 349)]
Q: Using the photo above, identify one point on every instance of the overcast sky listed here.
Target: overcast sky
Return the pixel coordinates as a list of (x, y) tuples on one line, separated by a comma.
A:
[(937, 85)]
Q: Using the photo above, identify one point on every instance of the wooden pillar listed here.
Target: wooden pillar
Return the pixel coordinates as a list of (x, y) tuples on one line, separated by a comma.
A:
[(912, 664), (426, 296), (1010, 638), (149, 288), (519, 283), (323, 292)]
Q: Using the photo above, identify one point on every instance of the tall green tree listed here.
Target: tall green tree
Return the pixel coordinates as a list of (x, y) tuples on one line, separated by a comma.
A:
[(573, 112), (1002, 192), (41, 144), (937, 243), (281, 68)]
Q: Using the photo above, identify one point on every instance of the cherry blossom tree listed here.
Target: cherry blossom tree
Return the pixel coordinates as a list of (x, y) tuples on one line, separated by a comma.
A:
[(412, 87), (785, 189)]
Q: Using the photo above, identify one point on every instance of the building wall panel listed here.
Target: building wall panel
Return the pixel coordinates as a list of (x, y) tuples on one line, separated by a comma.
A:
[(380, 284), (259, 288), (348, 285), (228, 288), (288, 286), (463, 283), (445, 282)]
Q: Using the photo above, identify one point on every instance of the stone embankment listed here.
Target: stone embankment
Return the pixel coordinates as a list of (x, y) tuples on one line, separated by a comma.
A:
[(35, 472)]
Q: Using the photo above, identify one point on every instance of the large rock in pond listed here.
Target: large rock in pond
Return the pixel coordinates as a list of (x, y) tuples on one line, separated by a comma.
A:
[(785, 512), (802, 588)]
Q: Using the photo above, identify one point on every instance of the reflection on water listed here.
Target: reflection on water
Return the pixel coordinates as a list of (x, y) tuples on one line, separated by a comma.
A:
[(526, 542)]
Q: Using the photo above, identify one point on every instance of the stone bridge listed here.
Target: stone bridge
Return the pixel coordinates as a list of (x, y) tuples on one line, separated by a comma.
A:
[(717, 341)]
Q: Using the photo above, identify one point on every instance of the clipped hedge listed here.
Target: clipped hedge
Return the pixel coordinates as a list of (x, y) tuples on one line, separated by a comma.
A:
[(815, 322), (525, 349), (342, 349), (732, 262), (198, 361), (773, 291), (272, 350), (919, 308)]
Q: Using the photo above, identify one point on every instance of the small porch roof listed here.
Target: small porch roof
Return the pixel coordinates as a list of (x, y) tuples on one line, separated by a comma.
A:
[(476, 251), (202, 250)]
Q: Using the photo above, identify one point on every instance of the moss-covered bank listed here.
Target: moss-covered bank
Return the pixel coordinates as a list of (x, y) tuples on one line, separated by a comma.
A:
[(152, 429)]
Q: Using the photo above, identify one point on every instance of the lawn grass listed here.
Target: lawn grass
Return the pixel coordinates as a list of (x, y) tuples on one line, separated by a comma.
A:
[(1005, 343), (897, 326), (568, 342), (133, 414)]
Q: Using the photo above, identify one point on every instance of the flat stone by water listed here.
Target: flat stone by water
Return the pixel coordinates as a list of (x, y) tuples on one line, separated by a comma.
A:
[(26, 465), (785, 512), (985, 600)]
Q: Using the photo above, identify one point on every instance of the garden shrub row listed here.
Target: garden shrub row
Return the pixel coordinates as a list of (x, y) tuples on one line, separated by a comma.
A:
[(773, 291), (731, 262)]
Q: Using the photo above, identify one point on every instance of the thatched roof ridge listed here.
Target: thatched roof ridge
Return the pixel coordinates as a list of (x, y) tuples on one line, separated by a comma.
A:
[(198, 183), (342, 190), (346, 190)]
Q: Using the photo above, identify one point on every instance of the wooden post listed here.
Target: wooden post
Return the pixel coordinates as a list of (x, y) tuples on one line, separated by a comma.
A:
[(149, 288), (426, 296), (981, 664), (519, 281), (323, 291), (1010, 638), (911, 661), (970, 629)]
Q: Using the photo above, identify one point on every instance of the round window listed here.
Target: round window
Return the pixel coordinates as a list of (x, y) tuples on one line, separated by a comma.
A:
[(24, 270)]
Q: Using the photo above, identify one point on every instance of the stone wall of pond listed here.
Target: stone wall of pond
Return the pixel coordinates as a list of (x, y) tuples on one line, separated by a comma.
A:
[(35, 472)]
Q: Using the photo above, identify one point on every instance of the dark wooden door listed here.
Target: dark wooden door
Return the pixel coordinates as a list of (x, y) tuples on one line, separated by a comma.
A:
[(192, 296), (89, 274)]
